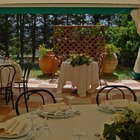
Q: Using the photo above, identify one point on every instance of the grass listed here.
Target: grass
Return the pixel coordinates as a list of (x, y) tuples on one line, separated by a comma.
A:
[(121, 73), (36, 73)]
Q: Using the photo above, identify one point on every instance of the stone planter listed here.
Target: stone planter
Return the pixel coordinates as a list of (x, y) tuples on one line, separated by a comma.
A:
[(48, 64), (110, 63)]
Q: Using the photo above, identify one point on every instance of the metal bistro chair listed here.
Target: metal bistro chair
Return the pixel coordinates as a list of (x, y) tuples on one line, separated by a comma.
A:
[(7, 75), (115, 92), (101, 67), (23, 83), (33, 96)]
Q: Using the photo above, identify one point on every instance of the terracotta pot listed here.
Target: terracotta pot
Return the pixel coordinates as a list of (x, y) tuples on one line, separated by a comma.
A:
[(110, 63), (48, 64)]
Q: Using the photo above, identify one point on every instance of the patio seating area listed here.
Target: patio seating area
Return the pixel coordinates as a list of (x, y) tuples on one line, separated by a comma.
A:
[(6, 111)]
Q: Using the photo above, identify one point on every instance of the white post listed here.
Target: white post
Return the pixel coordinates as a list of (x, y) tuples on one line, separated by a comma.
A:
[(137, 63), (136, 70), (136, 17)]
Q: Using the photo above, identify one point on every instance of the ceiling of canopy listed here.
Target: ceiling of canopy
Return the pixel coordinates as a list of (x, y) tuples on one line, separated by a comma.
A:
[(70, 3)]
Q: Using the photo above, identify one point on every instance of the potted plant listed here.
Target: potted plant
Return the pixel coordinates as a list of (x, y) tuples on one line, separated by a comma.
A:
[(47, 60), (111, 60)]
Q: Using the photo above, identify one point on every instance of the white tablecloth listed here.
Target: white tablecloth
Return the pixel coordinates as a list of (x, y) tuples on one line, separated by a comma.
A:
[(90, 121), (84, 77), (18, 75)]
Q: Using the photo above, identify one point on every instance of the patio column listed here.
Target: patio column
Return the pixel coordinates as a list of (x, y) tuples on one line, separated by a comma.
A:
[(136, 71)]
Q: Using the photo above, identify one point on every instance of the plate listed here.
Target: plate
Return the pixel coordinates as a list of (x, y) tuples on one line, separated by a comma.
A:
[(61, 115), (24, 132)]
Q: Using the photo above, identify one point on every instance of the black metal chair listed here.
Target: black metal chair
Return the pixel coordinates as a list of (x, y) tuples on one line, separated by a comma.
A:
[(25, 99), (115, 90), (7, 75), (23, 83), (101, 68)]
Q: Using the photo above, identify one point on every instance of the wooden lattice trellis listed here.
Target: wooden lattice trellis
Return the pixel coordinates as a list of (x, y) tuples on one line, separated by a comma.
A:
[(78, 39)]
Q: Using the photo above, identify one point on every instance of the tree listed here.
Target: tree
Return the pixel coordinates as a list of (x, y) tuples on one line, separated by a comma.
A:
[(125, 37)]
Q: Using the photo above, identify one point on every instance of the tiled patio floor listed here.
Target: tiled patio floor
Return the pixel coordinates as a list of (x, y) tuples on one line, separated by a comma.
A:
[(7, 112)]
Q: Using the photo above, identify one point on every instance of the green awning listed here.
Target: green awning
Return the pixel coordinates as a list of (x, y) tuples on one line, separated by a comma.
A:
[(63, 10)]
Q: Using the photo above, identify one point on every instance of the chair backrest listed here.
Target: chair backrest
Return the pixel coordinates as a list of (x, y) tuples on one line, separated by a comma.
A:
[(101, 69), (25, 99), (7, 75), (101, 62), (115, 92), (27, 70)]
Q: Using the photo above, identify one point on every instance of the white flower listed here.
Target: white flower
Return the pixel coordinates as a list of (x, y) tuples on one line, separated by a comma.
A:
[(118, 118), (135, 107)]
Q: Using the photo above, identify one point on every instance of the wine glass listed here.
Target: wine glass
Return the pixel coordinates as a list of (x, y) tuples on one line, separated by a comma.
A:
[(45, 130), (45, 125), (79, 135), (33, 132), (102, 97), (58, 99), (70, 106), (70, 99)]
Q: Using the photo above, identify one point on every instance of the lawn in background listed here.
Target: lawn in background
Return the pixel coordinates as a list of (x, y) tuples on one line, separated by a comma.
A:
[(120, 74)]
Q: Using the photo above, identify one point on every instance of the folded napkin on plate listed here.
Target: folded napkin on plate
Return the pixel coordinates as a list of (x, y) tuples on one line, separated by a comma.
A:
[(54, 107), (118, 103), (12, 127)]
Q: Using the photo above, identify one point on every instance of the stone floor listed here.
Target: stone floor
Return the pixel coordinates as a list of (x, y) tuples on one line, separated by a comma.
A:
[(7, 112)]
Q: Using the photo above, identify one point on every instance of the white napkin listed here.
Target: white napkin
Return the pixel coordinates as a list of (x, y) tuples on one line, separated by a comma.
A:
[(53, 107), (12, 127)]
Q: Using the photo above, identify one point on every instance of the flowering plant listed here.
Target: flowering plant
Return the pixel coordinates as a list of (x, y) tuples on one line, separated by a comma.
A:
[(80, 59), (126, 125)]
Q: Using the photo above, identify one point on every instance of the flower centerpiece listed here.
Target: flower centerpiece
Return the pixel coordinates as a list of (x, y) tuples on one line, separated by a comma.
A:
[(80, 59), (126, 125)]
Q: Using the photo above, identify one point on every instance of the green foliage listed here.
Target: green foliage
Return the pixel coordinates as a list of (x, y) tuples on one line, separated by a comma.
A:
[(111, 48), (123, 73), (26, 31), (80, 59), (125, 125), (96, 30), (43, 51), (126, 38)]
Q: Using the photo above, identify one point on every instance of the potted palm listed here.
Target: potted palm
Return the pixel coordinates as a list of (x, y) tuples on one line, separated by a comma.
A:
[(111, 60), (47, 60)]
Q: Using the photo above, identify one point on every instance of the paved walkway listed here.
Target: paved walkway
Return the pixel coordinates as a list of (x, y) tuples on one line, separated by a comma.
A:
[(48, 83)]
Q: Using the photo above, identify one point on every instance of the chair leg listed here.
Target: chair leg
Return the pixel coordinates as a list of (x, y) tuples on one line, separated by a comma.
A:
[(12, 99), (6, 98)]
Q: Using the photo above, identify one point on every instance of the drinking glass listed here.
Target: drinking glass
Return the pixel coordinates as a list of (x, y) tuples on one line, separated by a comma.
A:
[(45, 125), (59, 99), (70, 99), (33, 132), (45, 130), (102, 97)]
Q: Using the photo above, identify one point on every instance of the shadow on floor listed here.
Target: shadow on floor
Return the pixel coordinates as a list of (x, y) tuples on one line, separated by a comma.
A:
[(109, 76)]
